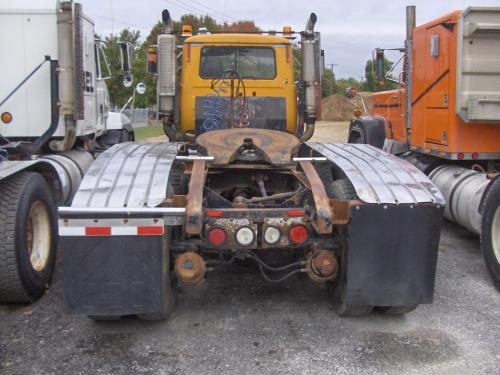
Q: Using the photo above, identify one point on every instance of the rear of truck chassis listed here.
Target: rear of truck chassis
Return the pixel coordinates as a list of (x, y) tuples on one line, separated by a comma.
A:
[(150, 216)]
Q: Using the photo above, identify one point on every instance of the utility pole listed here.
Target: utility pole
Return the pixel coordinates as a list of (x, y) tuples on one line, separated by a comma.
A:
[(331, 65)]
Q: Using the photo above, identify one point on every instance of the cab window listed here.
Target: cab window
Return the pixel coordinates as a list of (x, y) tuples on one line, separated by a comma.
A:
[(249, 62)]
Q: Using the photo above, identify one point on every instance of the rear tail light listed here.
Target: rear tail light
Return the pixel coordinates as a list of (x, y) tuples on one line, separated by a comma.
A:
[(216, 236), (272, 235), (298, 234), (245, 236)]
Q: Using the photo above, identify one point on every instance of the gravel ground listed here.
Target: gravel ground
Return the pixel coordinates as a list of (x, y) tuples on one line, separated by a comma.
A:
[(237, 323)]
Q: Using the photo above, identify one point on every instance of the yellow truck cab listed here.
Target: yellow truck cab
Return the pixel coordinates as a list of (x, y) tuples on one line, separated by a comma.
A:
[(264, 86)]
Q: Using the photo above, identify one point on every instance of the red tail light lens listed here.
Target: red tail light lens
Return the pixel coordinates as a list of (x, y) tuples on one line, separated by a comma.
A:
[(298, 234), (216, 236)]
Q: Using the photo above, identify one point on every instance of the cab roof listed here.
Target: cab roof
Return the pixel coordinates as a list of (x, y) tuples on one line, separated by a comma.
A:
[(447, 18), (235, 38)]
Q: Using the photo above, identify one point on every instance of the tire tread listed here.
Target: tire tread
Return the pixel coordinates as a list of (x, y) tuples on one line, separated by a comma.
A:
[(11, 286)]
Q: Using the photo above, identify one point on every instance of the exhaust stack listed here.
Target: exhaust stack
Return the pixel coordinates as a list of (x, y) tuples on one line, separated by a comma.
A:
[(71, 75), (410, 25), (309, 75), (167, 68)]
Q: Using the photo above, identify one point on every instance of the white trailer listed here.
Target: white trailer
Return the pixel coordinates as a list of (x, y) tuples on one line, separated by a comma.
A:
[(54, 113)]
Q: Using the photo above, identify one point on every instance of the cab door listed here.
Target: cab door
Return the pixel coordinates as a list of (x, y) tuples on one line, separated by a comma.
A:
[(435, 94)]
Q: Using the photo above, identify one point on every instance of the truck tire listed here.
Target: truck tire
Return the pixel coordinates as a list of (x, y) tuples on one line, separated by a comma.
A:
[(357, 135), (397, 310), (343, 189), (104, 318), (114, 136), (325, 174), (490, 231), (28, 237)]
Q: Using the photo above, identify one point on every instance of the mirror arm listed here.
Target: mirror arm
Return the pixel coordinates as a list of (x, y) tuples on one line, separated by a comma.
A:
[(103, 53), (127, 103)]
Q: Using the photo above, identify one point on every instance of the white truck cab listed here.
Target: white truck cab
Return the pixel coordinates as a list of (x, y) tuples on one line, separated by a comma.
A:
[(54, 117)]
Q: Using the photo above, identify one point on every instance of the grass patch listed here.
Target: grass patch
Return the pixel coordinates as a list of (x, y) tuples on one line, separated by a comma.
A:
[(148, 132)]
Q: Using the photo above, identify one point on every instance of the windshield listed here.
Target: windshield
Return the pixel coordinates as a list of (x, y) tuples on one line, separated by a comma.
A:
[(249, 62)]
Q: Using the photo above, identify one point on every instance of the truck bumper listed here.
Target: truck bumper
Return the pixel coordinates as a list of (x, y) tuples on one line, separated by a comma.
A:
[(391, 254)]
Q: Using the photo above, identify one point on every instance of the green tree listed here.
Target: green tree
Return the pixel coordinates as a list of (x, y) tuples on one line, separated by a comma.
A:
[(119, 94), (371, 83), (328, 83)]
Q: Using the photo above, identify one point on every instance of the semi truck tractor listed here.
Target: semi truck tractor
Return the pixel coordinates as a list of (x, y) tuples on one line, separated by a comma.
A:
[(240, 183), (53, 118), (445, 117)]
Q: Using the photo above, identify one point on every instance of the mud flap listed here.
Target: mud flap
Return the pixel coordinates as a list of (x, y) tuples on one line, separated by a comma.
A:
[(114, 275), (392, 254)]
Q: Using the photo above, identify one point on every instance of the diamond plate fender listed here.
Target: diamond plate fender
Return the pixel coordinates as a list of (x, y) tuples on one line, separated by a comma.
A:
[(128, 175), (379, 177)]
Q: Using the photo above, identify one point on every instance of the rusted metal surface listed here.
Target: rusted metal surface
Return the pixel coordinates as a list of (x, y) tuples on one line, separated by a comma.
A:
[(321, 265), (274, 147), (190, 268), (194, 214), (323, 222), (342, 210), (176, 201)]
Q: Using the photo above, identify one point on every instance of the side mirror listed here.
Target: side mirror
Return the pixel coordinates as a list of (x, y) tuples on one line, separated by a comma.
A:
[(127, 80), (153, 60), (379, 65), (125, 60), (140, 88)]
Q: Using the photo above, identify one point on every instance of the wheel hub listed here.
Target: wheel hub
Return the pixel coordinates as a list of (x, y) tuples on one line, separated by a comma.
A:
[(38, 236)]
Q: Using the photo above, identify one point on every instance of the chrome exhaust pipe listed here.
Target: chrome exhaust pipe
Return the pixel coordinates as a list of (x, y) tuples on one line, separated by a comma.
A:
[(309, 75)]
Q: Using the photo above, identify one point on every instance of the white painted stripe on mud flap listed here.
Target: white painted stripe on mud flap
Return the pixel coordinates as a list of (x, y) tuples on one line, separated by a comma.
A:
[(71, 231), (124, 231)]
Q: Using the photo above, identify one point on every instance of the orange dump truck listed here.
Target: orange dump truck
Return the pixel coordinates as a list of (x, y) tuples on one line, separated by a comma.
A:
[(445, 117)]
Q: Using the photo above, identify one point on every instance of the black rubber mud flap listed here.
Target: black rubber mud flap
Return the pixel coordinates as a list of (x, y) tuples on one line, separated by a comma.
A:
[(392, 254), (367, 130), (113, 275)]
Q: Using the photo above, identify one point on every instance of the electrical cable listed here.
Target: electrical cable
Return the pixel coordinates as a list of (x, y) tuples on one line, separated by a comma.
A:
[(195, 10), (298, 270), (213, 10), (254, 256)]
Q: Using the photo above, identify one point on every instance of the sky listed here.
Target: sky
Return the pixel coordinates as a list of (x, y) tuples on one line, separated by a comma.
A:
[(350, 29)]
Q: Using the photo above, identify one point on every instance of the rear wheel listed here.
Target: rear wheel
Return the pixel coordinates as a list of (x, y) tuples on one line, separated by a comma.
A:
[(397, 310), (357, 135), (27, 237), (343, 189), (115, 136), (490, 232), (104, 318)]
